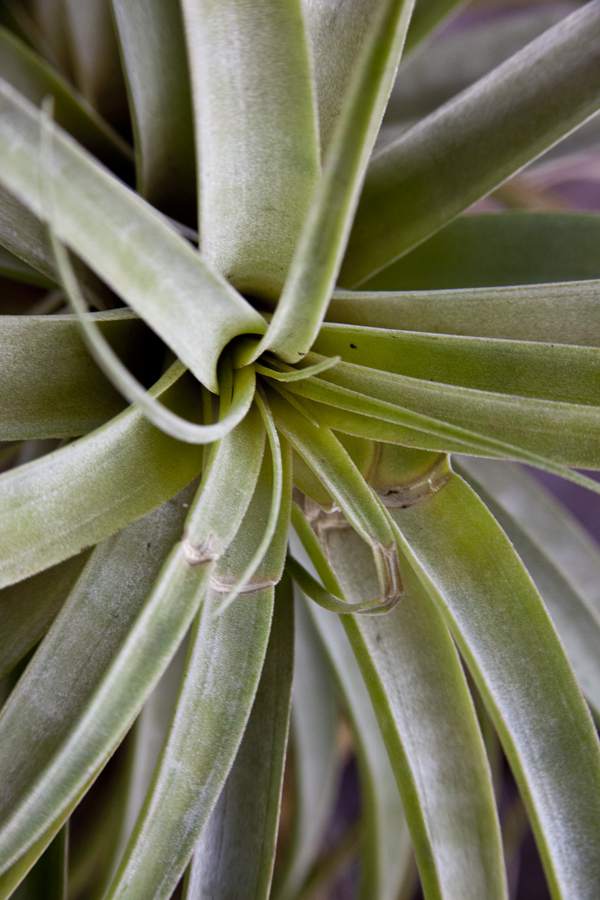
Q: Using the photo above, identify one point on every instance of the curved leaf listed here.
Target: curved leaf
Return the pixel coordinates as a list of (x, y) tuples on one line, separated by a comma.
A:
[(222, 673), (508, 248), (237, 845), (76, 699), (318, 256), (557, 433), (426, 716), (124, 240), (508, 642), (258, 148), (562, 560), (385, 839), (437, 169), (552, 313), (56, 506), (154, 55)]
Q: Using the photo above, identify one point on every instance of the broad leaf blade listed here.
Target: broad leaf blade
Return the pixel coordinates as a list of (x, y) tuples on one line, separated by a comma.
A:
[(521, 368), (237, 844), (520, 669), (422, 702), (80, 494), (460, 153), (552, 313), (258, 148), (560, 557), (508, 248), (318, 255), (557, 433), (153, 49), (79, 682), (125, 241)]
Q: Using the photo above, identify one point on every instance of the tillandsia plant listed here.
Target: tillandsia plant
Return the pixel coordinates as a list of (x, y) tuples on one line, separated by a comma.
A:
[(263, 396)]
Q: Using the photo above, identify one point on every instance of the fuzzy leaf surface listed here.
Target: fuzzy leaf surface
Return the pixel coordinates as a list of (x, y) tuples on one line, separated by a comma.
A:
[(560, 557), (426, 716), (237, 844), (258, 147), (553, 313), (126, 241), (50, 385), (509, 644), (58, 505), (417, 184), (98, 640)]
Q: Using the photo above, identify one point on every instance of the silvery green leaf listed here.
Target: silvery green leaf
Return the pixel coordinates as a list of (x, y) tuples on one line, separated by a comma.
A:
[(258, 149), (237, 844), (509, 644), (417, 184)]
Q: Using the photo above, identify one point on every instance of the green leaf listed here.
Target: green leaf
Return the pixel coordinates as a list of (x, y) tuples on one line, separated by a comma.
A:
[(321, 244), (124, 240), (48, 878), (428, 722), (222, 674), (552, 313), (56, 506), (77, 699), (509, 248), (385, 841), (228, 486), (237, 844), (331, 463), (28, 608), (50, 386), (508, 643), (258, 148), (484, 422), (243, 380), (460, 153), (560, 557), (336, 33), (147, 737), (524, 368), (35, 79), (461, 56), (155, 67), (313, 737)]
